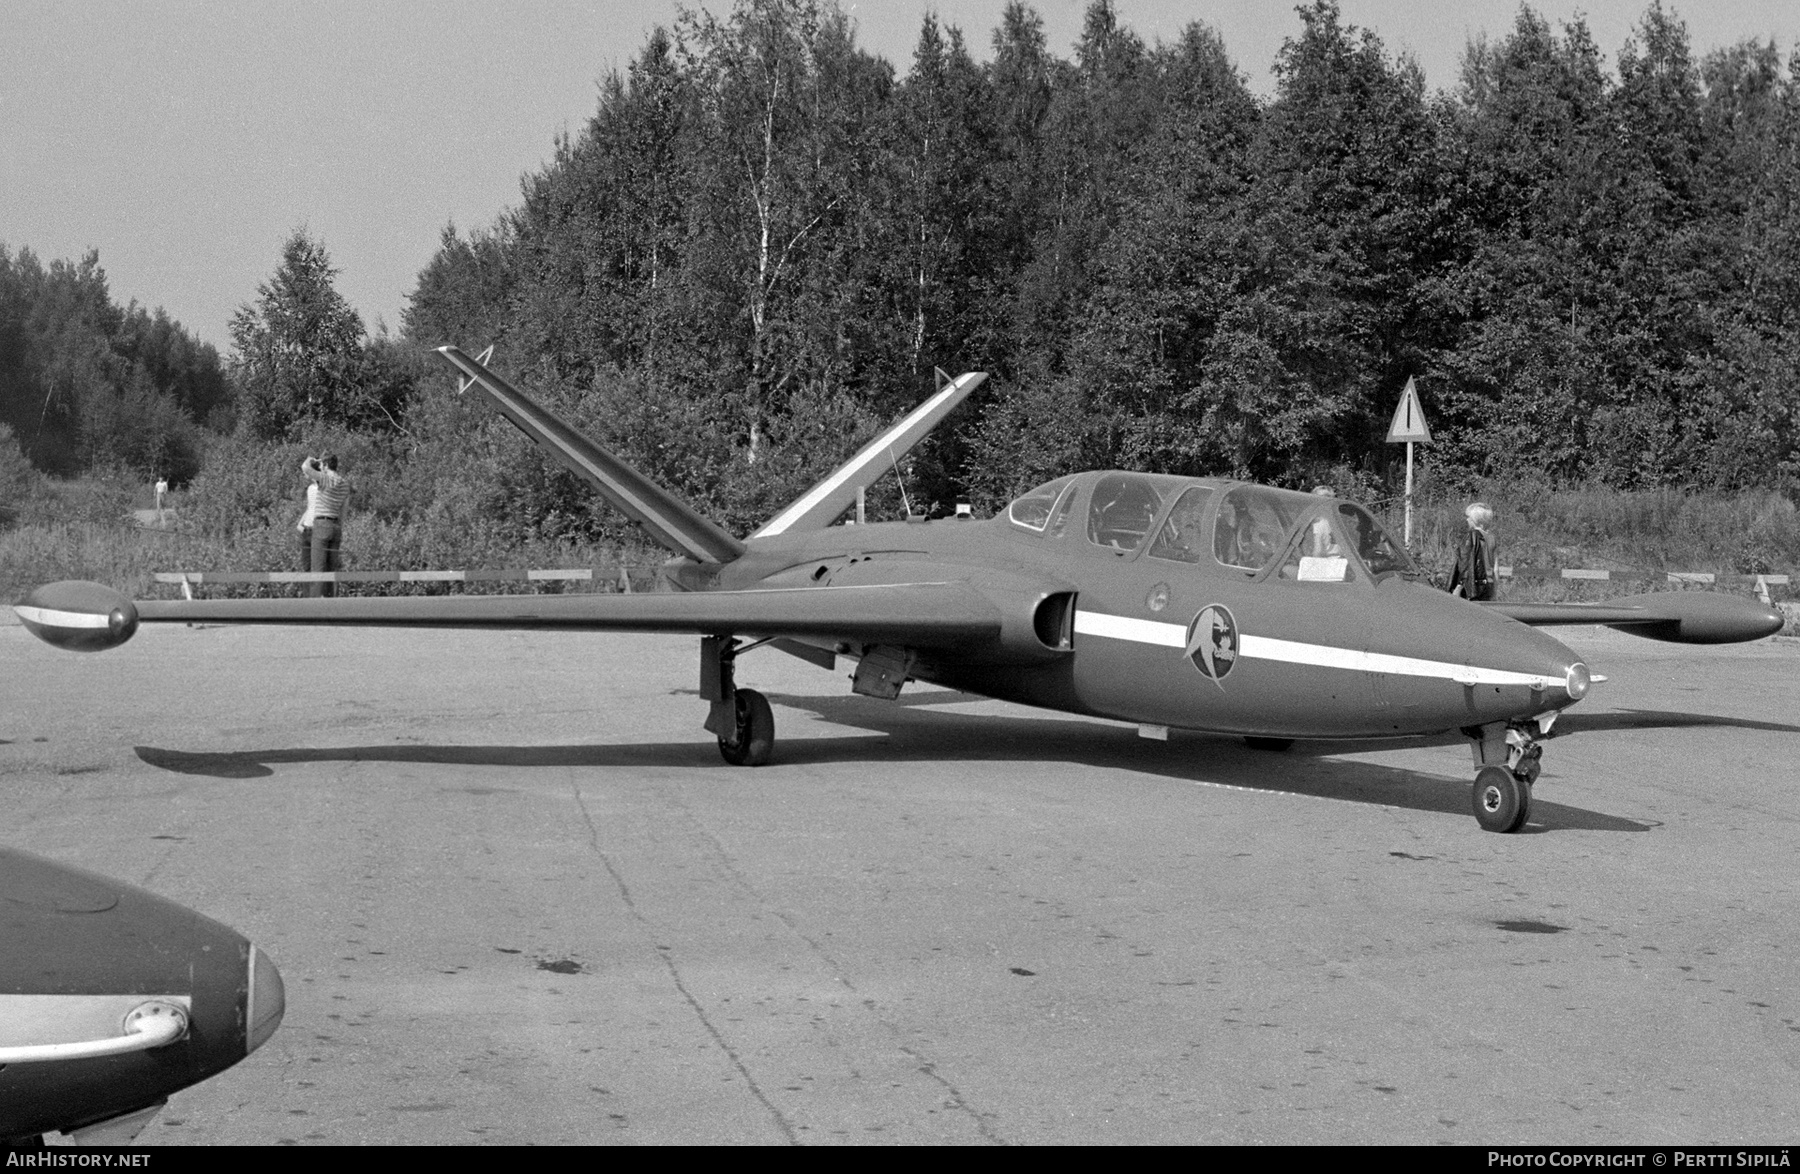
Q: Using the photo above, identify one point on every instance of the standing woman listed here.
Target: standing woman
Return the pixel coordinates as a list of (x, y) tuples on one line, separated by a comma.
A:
[(304, 527), (1477, 575), (327, 517)]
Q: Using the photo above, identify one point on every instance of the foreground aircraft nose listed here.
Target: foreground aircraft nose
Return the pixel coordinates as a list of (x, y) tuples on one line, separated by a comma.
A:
[(78, 616), (112, 998)]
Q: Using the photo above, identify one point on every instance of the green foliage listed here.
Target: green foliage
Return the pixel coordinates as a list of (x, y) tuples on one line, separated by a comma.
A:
[(85, 383), (299, 355), (17, 478), (764, 241)]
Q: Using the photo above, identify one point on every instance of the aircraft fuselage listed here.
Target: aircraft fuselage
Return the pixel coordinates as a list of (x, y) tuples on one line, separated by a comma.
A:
[(1189, 642)]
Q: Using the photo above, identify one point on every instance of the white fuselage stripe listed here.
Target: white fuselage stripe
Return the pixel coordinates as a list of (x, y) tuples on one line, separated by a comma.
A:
[(1091, 623), (50, 617), (875, 448), (1098, 623)]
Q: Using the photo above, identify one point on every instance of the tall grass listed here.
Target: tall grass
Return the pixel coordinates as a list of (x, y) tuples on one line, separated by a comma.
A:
[(126, 556), (83, 531), (1657, 531)]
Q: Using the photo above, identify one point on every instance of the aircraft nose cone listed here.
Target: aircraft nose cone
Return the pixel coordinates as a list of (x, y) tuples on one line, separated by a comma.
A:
[(1505, 669), (267, 1001)]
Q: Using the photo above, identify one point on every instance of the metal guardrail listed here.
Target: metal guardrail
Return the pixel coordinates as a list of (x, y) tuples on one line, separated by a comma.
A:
[(197, 578), (621, 576), (1720, 580)]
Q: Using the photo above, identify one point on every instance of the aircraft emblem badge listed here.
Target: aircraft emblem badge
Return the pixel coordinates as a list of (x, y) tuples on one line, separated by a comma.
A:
[(1212, 642)]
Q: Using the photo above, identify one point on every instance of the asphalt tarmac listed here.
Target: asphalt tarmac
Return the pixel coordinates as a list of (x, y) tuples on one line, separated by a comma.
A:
[(518, 898)]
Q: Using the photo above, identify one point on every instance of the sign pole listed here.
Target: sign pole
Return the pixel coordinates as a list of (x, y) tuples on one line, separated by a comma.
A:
[(1407, 538)]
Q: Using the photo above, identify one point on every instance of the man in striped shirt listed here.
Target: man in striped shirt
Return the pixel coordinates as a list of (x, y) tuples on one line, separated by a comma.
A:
[(327, 517)]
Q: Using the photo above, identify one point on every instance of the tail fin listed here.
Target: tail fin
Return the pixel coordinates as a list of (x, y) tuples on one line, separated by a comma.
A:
[(815, 509), (669, 520)]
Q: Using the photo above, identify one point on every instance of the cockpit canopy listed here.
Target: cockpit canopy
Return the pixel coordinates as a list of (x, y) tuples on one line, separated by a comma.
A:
[(1313, 536), (1248, 528)]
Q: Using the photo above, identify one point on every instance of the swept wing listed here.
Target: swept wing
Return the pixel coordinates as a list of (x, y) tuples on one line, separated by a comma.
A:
[(919, 615)]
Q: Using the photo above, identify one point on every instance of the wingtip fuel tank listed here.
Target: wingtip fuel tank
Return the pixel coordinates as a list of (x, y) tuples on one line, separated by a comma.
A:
[(1705, 617), (78, 616)]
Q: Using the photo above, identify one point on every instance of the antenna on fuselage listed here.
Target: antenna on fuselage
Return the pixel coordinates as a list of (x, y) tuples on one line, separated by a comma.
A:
[(905, 504)]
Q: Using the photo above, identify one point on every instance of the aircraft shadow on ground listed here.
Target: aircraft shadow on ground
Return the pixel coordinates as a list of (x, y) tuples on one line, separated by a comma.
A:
[(911, 732), (1657, 719)]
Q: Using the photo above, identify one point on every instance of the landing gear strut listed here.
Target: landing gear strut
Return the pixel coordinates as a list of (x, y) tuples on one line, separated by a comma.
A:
[(1508, 759), (740, 718)]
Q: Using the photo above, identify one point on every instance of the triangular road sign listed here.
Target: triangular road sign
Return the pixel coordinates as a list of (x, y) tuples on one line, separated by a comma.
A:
[(1409, 418)]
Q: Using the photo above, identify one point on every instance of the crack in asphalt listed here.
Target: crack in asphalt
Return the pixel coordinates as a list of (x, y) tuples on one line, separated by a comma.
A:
[(668, 961), (925, 1066), (929, 1068)]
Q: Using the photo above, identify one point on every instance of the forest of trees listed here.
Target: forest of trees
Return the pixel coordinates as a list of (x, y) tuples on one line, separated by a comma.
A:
[(766, 239), (86, 384)]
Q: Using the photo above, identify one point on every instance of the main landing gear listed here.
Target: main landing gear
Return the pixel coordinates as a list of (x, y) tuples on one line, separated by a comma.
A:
[(740, 718), (1508, 758)]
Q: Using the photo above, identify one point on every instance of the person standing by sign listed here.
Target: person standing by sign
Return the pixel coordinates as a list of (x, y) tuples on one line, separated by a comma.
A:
[(1477, 575), (333, 494)]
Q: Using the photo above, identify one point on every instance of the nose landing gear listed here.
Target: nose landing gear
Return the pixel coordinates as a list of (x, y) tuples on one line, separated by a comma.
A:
[(1508, 759)]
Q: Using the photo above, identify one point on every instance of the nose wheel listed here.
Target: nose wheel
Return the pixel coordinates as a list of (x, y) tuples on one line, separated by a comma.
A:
[(1502, 800), (1508, 760)]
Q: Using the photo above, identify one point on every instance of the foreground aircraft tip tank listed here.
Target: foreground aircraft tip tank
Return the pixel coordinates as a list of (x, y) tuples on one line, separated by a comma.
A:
[(1170, 602), (111, 999)]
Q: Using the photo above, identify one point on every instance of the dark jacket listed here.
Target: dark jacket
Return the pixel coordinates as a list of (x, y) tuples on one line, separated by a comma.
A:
[(1476, 575)]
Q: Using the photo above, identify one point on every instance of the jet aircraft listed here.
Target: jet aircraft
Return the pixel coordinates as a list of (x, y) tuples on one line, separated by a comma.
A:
[(1170, 602), (111, 998)]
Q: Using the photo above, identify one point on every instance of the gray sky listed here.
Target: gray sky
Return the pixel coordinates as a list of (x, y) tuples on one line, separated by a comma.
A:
[(185, 140)]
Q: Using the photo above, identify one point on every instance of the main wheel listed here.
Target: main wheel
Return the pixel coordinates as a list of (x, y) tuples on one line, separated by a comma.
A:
[(1268, 743), (753, 739), (1502, 801)]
